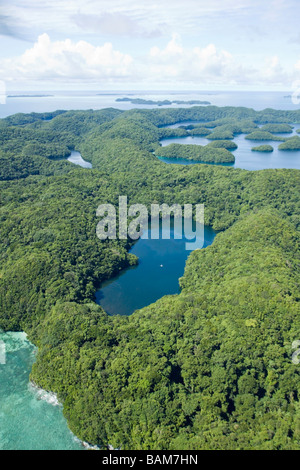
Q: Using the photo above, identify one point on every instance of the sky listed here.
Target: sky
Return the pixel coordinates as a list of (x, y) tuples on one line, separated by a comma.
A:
[(150, 45)]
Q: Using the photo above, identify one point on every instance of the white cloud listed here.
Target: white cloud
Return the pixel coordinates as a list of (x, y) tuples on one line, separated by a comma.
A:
[(210, 65), (67, 60), (145, 17), (224, 41), (115, 24), (174, 64), (297, 66), (197, 64), (273, 71)]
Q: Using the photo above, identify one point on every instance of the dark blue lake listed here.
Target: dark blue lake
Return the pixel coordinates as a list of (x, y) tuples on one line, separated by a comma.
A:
[(161, 264)]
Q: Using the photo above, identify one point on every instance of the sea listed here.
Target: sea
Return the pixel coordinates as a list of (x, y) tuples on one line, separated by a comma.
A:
[(44, 101)]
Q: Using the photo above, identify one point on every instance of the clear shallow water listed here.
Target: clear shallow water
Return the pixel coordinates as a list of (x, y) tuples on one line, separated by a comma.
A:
[(244, 157), (30, 419), (161, 264)]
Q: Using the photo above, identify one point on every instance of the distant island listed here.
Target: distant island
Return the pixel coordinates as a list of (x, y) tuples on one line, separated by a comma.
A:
[(142, 101), (28, 96), (263, 148)]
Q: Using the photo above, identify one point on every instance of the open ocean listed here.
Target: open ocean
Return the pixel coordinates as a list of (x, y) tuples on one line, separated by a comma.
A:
[(26, 102)]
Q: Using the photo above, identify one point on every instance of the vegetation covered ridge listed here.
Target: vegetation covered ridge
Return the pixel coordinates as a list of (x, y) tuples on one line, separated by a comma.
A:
[(209, 368), (292, 143), (206, 154)]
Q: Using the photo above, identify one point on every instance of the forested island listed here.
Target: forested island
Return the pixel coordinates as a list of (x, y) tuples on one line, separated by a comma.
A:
[(29, 96), (263, 148), (209, 368), (263, 135), (141, 101), (205, 154), (277, 128), (292, 143), (199, 131), (222, 144), (230, 123)]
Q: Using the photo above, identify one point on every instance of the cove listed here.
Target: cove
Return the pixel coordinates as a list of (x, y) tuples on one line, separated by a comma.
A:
[(161, 264), (31, 419), (77, 159)]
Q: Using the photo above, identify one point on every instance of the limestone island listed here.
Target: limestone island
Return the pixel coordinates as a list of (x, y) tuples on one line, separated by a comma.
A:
[(29, 96), (263, 148), (141, 101), (293, 143), (222, 144), (221, 133), (168, 132), (198, 153), (277, 128), (263, 135), (200, 131)]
